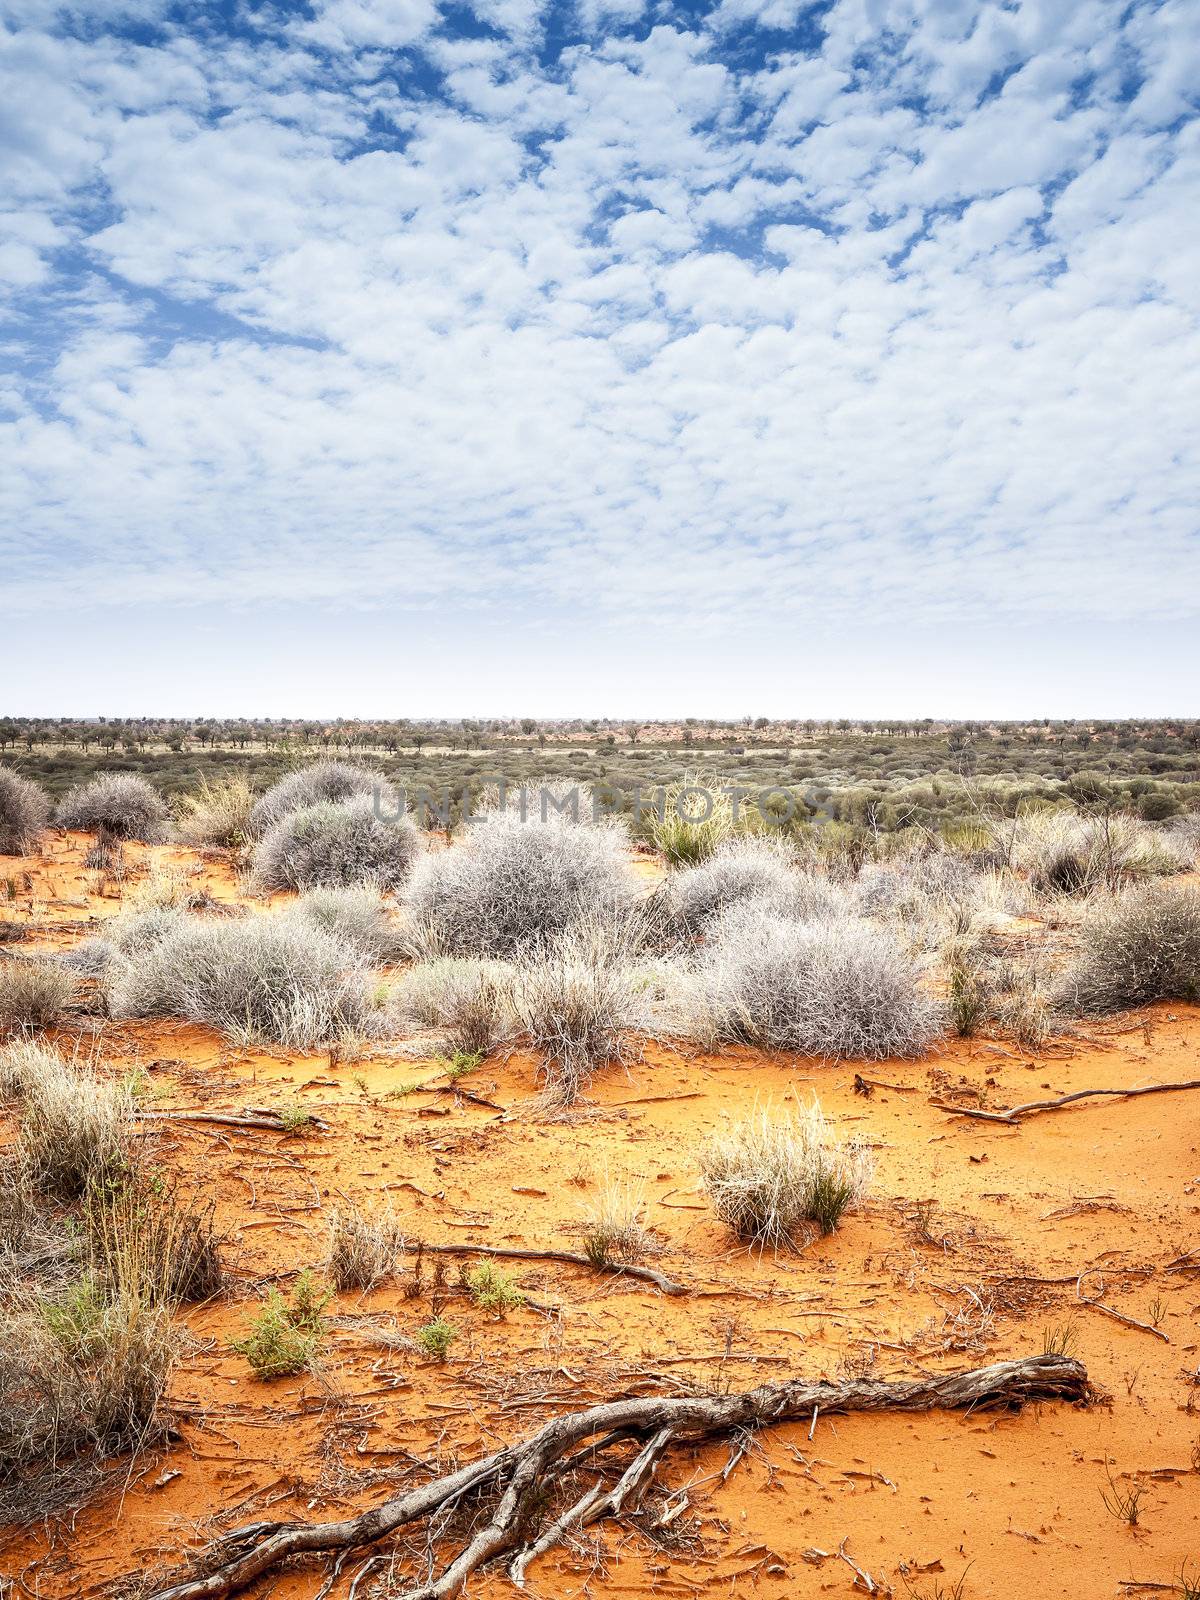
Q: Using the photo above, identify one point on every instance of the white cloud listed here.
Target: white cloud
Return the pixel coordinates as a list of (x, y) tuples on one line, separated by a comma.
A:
[(361, 310)]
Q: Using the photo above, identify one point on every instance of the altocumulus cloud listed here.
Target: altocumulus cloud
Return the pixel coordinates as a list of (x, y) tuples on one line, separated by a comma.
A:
[(859, 308)]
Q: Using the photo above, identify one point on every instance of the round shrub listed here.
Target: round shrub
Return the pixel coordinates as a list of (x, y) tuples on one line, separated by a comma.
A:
[(1140, 946), (747, 869), (24, 812), (273, 980), (509, 884), (336, 846), (331, 781), (354, 917), (121, 802), (841, 988)]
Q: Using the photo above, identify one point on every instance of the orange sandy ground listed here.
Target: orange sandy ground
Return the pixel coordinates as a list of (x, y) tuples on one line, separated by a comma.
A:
[(1109, 1186)]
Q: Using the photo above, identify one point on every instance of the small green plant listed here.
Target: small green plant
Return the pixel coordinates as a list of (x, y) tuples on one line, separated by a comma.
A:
[(491, 1288), (285, 1337), (1061, 1339), (436, 1337), (402, 1090), (460, 1063), (75, 1317), (295, 1118), (1124, 1504), (1189, 1588)]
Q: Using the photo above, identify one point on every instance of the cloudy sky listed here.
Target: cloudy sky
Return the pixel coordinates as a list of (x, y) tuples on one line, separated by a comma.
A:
[(605, 356)]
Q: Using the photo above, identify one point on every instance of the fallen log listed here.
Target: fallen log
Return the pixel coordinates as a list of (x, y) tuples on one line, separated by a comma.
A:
[(1015, 1113), (514, 1488)]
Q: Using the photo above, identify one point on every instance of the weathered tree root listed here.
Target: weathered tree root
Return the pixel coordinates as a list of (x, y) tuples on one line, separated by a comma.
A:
[(513, 1485), (1031, 1108)]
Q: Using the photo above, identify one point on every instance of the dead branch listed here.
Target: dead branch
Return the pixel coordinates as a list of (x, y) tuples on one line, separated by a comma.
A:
[(571, 1257), (1032, 1107), (1097, 1304), (511, 1487), (261, 1120)]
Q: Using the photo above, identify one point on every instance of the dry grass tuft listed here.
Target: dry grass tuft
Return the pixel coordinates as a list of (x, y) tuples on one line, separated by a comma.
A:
[(363, 1249), (769, 1176), (34, 993), (216, 815)]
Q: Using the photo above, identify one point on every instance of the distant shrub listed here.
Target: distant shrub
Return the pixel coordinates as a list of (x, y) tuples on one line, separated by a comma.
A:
[(24, 813), (121, 802), (508, 884), (694, 817), (321, 783), (766, 1177), (217, 815), (1139, 946), (34, 992), (841, 988), (469, 1000), (743, 869), (336, 845), (265, 980), (355, 917)]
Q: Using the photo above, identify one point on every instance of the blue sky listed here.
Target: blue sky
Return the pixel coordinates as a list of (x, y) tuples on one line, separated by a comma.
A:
[(384, 356)]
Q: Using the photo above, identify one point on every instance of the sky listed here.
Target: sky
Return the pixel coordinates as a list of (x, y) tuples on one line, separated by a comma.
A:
[(605, 357)]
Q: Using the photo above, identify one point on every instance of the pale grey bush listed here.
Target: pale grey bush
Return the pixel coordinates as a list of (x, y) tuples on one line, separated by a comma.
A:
[(270, 979), (567, 800), (1136, 947), (334, 846), (126, 805), (508, 884), (323, 782), (841, 988), (24, 813), (126, 934), (469, 1000), (744, 869), (357, 917)]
